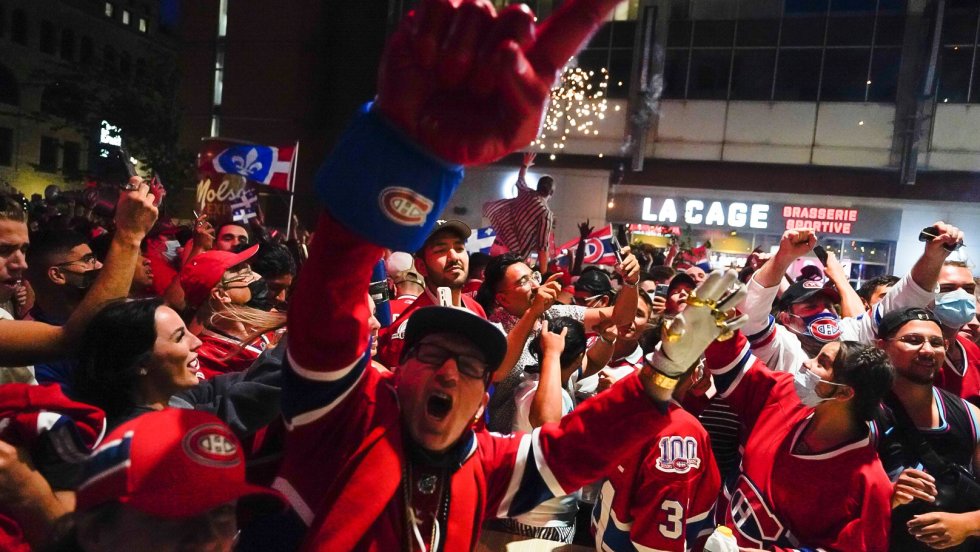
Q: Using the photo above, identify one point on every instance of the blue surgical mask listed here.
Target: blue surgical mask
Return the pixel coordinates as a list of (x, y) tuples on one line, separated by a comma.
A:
[(955, 308), (805, 382)]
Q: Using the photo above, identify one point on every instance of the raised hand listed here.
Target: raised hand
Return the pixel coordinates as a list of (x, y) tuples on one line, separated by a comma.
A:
[(629, 269), (584, 230), (796, 243), (552, 343), (203, 234), (529, 159), (943, 239), (135, 212), (546, 294), (470, 85), (705, 319)]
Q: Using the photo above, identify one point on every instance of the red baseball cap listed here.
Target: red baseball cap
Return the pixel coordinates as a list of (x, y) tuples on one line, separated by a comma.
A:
[(173, 463), (203, 272)]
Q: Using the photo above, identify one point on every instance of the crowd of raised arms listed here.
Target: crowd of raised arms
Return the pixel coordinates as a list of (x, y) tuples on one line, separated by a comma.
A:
[(370, 385)]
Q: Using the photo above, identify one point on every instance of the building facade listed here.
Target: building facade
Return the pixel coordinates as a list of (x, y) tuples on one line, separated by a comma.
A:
[(831, 104), (57, 58)]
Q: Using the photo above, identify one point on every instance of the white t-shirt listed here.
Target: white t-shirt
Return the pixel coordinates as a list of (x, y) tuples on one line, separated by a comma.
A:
[(15, 374), (557, 512)]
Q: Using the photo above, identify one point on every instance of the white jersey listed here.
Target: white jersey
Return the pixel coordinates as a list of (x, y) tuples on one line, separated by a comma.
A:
[(780, 349)]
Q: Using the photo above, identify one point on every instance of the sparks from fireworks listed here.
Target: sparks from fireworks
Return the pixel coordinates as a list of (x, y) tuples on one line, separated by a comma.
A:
[(577, 103)]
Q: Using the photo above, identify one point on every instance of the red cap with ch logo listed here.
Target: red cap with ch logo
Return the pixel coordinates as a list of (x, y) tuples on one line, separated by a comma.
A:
[(173, 463)]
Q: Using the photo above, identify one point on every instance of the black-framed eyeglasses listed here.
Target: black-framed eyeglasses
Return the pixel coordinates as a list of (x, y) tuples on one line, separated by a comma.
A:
[(88, 260), (916, 341), (435, 355)]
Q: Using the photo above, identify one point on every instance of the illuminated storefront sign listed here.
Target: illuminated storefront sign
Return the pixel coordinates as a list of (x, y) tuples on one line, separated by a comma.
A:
[(696, 212), (753, 216), (828, 220)]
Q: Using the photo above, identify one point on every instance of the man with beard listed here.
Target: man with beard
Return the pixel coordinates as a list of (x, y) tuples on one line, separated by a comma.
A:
[(925, 430), (955, 306), (808, 320), (61, 269), (443, 262)]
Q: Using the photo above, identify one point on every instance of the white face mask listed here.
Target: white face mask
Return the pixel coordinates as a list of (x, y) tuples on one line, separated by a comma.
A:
[(805, 382), (955, 308)]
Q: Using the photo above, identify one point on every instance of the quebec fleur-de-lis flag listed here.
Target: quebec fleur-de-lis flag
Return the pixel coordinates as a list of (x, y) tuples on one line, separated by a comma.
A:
[(267, 165), (231, 171)]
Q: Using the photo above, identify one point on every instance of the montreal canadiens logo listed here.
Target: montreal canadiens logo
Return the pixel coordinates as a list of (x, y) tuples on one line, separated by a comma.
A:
[(404, 206), (825, 328), (211, 445)]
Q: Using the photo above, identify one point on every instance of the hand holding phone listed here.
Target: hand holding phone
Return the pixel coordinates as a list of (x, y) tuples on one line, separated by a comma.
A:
[(821, 254), (930, 233)]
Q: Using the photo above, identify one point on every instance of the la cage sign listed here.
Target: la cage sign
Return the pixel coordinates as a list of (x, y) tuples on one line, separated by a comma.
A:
[(695, 212)]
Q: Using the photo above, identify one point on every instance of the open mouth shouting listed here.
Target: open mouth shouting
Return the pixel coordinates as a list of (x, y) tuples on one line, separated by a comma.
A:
[(439, 405)]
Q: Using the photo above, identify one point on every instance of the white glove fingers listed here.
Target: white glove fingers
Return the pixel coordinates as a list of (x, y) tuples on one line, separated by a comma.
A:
[(736, 323), (712, 288), (730, 302)]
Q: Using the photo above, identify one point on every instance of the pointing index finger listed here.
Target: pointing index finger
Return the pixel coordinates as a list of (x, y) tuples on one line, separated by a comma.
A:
[(562, 35)]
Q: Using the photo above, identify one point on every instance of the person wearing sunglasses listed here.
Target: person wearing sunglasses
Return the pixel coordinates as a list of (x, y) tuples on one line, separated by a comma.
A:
[(929, 440)]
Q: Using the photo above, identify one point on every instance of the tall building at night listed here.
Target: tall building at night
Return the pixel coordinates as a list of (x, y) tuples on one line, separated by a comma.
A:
[(61, 59)]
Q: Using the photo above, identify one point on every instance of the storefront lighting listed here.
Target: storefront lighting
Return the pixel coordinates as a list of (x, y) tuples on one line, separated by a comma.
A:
[(552, 157), (600, 156), (611, 204), (860, 123)]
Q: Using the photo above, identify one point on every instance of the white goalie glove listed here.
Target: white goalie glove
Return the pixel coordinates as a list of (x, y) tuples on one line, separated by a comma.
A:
[(705, 319)]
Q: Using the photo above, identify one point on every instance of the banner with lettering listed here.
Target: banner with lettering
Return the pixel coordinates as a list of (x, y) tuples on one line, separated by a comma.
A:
[(229, 173)]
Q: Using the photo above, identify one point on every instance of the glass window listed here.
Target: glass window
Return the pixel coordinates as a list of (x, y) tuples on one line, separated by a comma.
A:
[(845, 74), (18, 27), (803, 31), (125, 17), (68, 44), (675, 73), (960, 25), (86, 51), (890, 30), (72, 158), (601, 38), (6, 147), (143, 26), (709, 74), (752, 72), (797, 75), (3, 21), (954, 74), (48, 38), (9, 91), (884, 74), (48, 160), (110, 9), (679, 33), (708, 33), (798, 7), (125, 65), (620, 67), (850, 31), (623, 34), (757, 32)]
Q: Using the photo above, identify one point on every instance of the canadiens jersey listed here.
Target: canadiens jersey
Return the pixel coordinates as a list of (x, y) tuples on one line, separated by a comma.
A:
[(345, 450), (663, 498), (962, 379), (782, 500)]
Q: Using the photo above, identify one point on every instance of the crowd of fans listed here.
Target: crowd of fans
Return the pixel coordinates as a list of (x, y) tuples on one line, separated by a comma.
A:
[(178, 387)]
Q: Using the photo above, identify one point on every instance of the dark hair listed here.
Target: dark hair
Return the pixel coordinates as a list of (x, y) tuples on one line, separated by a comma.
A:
[(546, 186), (478, 262), (867, 370), (273, 260), (575, 343), (118, 338), (661, 273), (48, 243), (248, 231), (869, 286), (63, 536), (645, 297), (492, 276), (11, 208)]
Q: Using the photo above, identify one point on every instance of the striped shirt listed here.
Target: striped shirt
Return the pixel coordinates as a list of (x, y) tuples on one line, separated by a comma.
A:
[(523, 223)]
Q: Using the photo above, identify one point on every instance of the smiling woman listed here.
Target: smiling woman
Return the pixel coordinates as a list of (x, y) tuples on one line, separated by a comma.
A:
[(136, 355)]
